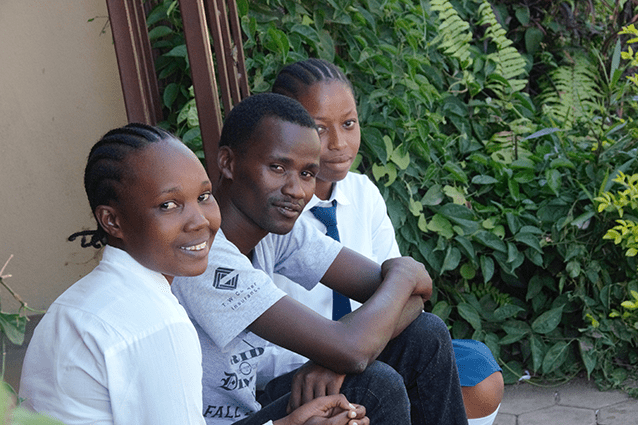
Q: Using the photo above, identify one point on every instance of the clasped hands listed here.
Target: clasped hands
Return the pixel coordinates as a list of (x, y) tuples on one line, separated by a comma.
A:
[(315, 400)]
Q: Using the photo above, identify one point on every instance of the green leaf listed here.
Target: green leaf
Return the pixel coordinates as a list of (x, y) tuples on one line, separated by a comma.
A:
[(615, 63), (389, 147), (530, 240), (416, 208), (543, 132), (522, 14), (14, 327), (484, 179), (538, 350), (401, 159), (467, 271), (458, 197), (588, 355), (562, 162), (533, 39), (490, 240), (582, 221), (487, 268), (507, 311), (548, 321), (433, 196), (307, 31), (534, 287), (441, 226), (555, 357), (170, 94), (159, 32), (573, 268), (442, 309), (511, 339), (456, 172), (553, 180), (422, 223), (379, 171), (467, 247), (452, 259), (470, 314), (178, 52)]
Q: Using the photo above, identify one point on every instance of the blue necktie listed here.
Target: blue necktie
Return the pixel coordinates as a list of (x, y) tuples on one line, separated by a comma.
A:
[(328, 216)]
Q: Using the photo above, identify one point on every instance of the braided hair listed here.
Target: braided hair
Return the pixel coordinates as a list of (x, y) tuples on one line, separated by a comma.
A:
[(105, 170), (295, 78)]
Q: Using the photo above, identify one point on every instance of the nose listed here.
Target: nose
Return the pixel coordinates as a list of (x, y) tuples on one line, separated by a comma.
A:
[(294, 187), (197, 220), (336, 141)]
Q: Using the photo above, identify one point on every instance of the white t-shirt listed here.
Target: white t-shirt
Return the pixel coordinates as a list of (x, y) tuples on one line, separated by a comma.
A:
[(115, 348), (230, 295), (364, 226)]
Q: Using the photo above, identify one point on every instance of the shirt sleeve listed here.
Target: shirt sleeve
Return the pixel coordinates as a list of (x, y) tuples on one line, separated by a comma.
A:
[(305, 254), (229, 296)]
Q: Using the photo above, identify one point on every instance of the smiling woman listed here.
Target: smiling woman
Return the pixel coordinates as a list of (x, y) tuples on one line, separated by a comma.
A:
[(117, 347), (165, 216)]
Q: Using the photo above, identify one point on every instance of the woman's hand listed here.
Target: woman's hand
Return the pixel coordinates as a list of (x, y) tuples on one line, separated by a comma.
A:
[(330, 410)]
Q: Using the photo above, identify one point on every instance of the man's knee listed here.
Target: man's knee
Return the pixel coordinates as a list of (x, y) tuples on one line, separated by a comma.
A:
[(381, 375), (429, 327)]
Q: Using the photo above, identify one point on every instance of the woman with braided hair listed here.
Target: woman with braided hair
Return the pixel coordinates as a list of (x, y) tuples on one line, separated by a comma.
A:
[(362, 222), (117, 347)]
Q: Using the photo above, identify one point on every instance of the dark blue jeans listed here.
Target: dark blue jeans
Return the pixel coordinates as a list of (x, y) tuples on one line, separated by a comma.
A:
[(413, 381)]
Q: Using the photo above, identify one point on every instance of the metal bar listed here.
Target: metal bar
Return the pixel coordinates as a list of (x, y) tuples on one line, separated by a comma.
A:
[(215, 21), (204, 83), (128, 45), (238, 49)]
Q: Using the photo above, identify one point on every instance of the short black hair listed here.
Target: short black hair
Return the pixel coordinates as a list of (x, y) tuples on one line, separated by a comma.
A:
[(294, 79), (105, 170), (244, 118)]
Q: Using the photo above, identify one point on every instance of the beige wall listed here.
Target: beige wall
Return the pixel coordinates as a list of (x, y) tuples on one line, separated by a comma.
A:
[(59, 92)]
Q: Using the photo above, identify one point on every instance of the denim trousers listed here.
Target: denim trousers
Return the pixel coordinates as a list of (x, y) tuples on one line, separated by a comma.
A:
[(414, 381)]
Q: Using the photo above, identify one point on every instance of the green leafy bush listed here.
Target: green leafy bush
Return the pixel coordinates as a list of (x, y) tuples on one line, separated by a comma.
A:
[(490, 190)]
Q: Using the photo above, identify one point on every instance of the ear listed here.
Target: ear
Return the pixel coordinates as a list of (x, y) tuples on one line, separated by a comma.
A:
[(226, 162), (108, 218)]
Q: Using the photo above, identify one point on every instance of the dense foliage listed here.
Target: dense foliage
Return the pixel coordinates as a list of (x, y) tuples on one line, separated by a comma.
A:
[(490, 127)]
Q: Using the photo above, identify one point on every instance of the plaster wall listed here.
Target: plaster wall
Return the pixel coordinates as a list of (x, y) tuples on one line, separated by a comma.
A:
[(59, 93)]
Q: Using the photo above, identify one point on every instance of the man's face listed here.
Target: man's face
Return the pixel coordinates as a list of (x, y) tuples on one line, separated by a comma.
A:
[(274, 177)]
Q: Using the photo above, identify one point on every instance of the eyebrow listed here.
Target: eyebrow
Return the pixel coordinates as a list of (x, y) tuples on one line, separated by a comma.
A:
[(286, 160), (349, 112), (177, 188)]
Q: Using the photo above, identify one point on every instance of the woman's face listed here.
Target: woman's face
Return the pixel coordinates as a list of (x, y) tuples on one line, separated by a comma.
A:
[(167, 216), (332, 105)]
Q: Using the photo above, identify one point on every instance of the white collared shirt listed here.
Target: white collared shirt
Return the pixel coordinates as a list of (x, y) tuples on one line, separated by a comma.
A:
[(116, 348)]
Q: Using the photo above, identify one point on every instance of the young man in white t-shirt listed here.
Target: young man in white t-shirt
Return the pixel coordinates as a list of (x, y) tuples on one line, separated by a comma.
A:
[(268, 158)]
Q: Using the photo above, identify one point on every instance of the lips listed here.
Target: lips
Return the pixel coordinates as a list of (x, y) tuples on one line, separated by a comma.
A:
[(289, 209), (339, 159), (197, 247)]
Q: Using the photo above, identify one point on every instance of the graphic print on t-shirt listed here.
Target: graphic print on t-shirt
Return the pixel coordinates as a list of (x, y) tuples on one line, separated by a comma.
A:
[(238, 381), (221, 280)]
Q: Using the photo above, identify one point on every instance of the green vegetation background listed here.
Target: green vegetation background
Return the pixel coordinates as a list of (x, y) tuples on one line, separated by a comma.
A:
[(493, 130)]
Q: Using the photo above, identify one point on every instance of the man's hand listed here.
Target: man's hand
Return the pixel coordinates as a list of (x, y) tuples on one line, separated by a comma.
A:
[(412, 271), (330, 410), (312, 381)]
